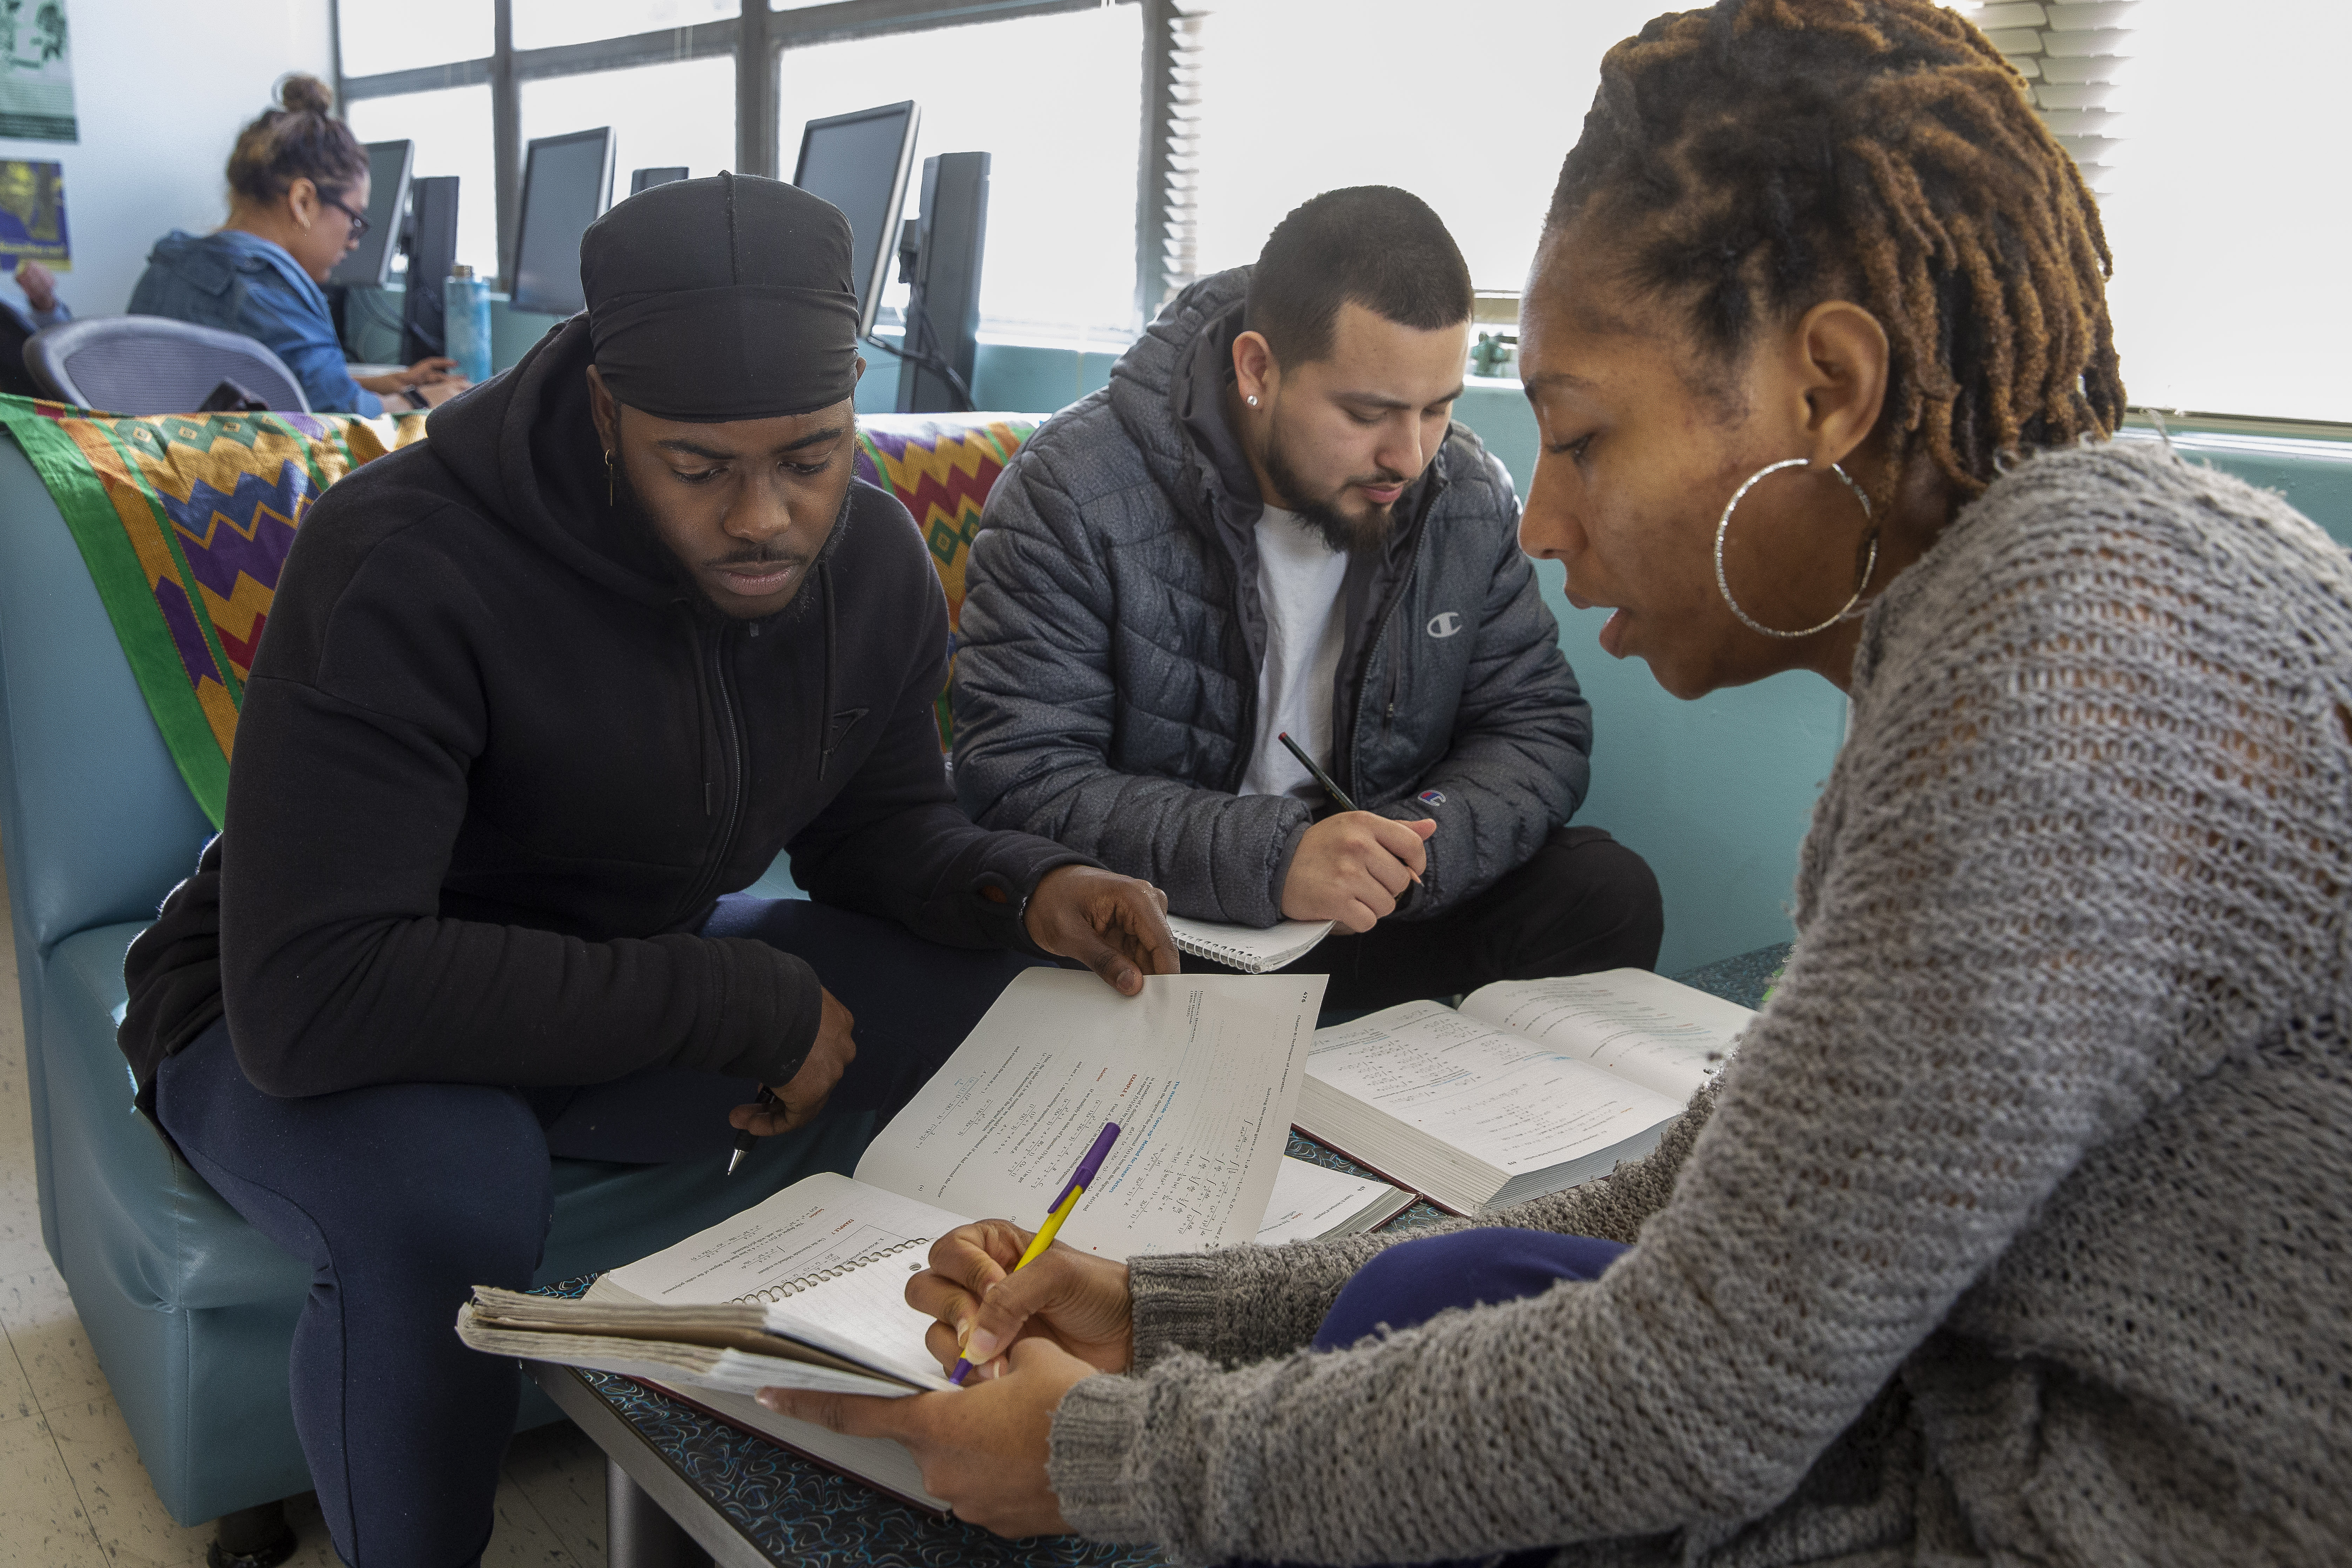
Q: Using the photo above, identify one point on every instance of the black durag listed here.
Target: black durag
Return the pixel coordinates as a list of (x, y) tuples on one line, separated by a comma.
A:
[(721, 299)]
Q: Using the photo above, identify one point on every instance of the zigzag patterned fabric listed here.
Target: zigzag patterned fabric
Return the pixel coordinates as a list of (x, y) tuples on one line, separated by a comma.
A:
[(940, 469), (185, 521)]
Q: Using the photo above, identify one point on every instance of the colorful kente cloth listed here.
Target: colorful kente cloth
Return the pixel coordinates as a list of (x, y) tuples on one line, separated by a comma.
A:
[(940, 469), (185, 521)]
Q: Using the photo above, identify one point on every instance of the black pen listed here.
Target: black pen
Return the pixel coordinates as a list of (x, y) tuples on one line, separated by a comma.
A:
[(745, 1138), (1334, 791)]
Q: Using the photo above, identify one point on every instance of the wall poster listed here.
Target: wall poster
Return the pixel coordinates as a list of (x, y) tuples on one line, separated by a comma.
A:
[(36, 99), (33, 215)]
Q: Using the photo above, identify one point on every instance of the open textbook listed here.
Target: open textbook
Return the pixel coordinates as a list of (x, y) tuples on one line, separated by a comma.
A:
[(1530, 1087), (807, 1288), (1249, 949)]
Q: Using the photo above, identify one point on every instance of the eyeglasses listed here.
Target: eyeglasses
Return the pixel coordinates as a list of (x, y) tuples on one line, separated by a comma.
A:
[(358, 220)]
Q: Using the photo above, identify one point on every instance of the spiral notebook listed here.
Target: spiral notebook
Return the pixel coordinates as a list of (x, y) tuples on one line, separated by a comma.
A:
[(807, 1289), (1249, 949)]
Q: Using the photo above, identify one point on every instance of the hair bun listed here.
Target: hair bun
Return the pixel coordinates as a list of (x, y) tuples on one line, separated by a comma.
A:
[(302, 93)]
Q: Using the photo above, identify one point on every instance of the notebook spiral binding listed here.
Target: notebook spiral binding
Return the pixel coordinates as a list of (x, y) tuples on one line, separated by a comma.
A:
[(774, 1293)]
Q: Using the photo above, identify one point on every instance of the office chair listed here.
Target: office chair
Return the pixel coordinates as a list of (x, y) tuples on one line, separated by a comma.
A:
[(153, 365)]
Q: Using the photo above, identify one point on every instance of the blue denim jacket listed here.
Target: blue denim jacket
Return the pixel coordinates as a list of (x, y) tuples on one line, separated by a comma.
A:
[(241, 282)]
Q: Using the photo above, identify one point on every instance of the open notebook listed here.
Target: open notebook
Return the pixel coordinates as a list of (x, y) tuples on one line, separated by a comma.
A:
[(1201, 1072), (1530, 1087), (1249, 949)]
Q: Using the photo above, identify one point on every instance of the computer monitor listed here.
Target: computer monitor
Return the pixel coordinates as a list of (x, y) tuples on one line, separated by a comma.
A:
[(371, 262), (860, 163), (567, 184), (432, 245), (646, 179)]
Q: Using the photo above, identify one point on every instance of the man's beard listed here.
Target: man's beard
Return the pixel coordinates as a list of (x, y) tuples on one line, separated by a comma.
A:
[(634, 511), (1341, 534)]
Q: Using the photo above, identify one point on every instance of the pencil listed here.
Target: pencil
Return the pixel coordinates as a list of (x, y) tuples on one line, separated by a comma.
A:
[(1333, 790)]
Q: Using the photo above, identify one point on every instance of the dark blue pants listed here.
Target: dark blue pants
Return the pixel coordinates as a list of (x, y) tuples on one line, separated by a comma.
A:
[(1413, 1282), (401, 1197)]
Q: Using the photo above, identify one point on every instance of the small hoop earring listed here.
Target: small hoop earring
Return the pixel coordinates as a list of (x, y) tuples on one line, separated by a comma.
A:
[(608, 477), (1723, 584)]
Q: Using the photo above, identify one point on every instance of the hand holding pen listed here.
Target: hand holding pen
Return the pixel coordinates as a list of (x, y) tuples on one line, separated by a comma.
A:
[(1079, 1181), (1352, 865), (811, 1083)]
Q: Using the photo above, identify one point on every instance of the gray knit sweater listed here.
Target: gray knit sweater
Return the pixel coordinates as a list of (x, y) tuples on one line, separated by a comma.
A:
[(2017, 1229)]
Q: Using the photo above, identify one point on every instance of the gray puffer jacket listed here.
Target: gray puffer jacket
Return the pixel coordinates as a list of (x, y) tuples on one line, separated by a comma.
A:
[(1107, 669)]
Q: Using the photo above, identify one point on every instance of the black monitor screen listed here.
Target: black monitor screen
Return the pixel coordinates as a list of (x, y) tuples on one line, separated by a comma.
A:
[(567, 184), (371, 262), (859, 163)]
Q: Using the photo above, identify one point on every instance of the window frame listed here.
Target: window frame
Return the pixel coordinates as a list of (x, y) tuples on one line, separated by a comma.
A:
[(756, 40)]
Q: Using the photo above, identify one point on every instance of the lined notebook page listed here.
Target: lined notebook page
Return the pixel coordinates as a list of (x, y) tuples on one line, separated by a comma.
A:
[(828, 1254), (1200, 1072)]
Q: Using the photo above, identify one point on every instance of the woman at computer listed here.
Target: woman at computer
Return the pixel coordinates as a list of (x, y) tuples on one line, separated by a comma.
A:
[(2015, 1230), (297, 201)]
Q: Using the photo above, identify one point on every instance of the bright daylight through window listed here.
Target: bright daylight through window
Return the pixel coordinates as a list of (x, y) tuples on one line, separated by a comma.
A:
[(2203, 130)]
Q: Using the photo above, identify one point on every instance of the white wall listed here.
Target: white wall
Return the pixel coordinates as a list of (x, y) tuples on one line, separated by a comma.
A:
[(160, 93)]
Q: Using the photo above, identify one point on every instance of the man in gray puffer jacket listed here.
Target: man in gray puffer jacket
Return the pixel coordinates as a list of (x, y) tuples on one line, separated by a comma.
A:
[(1268, 524)]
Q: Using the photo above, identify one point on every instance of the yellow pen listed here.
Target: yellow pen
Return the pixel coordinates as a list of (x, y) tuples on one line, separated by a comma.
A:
[(1060, 1211)]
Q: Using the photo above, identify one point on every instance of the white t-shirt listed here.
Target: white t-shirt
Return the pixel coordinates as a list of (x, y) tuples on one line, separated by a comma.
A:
[(1298, 583)]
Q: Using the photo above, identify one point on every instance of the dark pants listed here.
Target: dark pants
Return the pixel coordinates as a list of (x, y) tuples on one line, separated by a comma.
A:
[(1581, 902), (1413, 1282), (401, 1197)]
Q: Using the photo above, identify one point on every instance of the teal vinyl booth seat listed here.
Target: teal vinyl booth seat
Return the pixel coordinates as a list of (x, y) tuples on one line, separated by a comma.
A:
[(190, 1310)]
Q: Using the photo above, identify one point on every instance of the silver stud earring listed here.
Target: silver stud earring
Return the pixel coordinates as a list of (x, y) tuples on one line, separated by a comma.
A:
[(1253, 403)]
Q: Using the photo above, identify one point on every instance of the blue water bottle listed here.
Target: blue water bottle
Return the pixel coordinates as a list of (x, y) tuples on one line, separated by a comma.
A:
[(465, 322)]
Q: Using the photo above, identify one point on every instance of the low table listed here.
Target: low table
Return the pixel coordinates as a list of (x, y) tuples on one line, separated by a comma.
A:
[(684, 1488)]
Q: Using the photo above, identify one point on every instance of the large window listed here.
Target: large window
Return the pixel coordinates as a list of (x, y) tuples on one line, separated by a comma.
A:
[(2207, 131), (545, 24), (660, 115), (408, 35), (1051, 89), (451, 128), (1054, 101), (1469, 104)]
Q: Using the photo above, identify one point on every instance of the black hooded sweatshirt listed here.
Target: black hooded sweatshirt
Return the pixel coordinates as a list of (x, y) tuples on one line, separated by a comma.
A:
[(498, 760)]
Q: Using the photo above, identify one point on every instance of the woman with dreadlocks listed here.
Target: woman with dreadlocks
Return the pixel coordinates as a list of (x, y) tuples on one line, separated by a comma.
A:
[(2016, 1230)]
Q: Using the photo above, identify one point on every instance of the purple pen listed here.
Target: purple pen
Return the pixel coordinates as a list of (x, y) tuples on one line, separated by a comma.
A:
[(1079, 1179)]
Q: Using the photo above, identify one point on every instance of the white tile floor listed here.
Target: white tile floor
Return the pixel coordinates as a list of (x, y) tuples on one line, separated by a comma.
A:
[(72, 1494)]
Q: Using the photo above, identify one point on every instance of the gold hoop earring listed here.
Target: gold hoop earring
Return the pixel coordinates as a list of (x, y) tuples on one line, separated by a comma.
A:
[(1723, 584)]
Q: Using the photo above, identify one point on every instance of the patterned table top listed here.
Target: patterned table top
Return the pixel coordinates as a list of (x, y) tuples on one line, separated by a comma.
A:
[(797, 1511)]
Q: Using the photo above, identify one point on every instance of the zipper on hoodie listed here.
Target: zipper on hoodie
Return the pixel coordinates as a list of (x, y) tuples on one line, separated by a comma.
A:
[(732, 764)]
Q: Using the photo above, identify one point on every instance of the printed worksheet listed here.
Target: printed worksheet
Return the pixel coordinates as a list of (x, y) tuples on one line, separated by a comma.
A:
[(1201, 1072)]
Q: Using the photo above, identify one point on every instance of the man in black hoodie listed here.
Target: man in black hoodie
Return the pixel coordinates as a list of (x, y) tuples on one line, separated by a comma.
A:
[(534, 695)]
